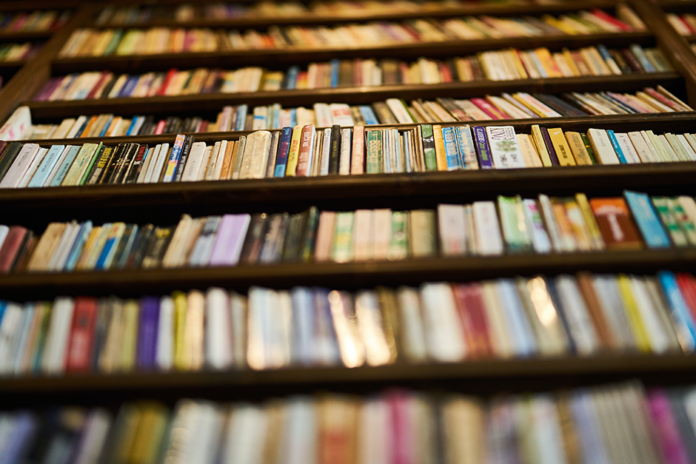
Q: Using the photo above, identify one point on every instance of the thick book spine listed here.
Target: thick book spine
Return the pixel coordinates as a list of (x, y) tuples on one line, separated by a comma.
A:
[(82, 335), (147, 336), (549, 146), (482, 149), (181, 165), (335, 149), (646, 218), (429, 147), (283, 150)]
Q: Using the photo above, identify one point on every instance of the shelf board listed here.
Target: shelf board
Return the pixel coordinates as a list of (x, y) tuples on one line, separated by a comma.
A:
[(289, 56), (470, 376), (29, 36), (356, 275), (351, 95), (494, 9)]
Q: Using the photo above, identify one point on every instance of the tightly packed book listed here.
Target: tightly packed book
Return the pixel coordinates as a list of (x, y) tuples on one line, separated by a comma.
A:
[(485, 228), (508, 64), (611, 423), (219, 330), (685, 23), (93, 42), (17, 52), (36, 21), (134, 15), (308, 152)]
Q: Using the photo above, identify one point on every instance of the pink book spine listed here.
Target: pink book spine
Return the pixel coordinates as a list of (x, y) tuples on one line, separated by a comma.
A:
[(610, 19), (484, 106), (357, 161), (633, 104), (402, 439), (403, 70), (661, 98), (666, 429), (160, 127)]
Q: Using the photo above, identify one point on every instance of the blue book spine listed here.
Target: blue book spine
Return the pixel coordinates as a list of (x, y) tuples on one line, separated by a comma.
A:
[(241, 117), (129, 87), (368, 115), (526, 344), (3, 306), (104, 255), (133, 124), (303, 324), (334, 73), (646, 218), (63, 169), (276, 116), (292, 77), (453, 160), (617, 147), (173, 160), (106, 127), (639, 53), (47, 165), (467, 150), (283, 150), (612, 100), (77, 245), (293, 117), (482, 149), (684, 323), (604, 53), (81, 129), (538, 65)]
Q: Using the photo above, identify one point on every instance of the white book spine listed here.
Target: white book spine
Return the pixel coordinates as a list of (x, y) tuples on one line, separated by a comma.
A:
[(452, 228), (443, 330), (488, 237), (344, 160), (627, 148), (218, 336), (505, 149), (165, 335), (19, 167)]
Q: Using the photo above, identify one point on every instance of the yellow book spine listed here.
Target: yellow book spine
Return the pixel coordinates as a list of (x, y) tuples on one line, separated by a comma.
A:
[(515, 55), (592, 226), (294, 153), (130, 335), (440, 154), (548, 19), (633, 315), (565, 157), (529, 106), (529, 151), (541, 146), (571, 62), (87, 249), (547, 62), (180, 308), (577, 146)]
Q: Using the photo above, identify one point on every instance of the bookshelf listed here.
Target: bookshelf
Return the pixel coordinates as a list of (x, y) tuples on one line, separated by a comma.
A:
[(166, 202)]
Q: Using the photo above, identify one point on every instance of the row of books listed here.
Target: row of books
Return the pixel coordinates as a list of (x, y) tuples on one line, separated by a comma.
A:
[(495, 65), (684, 23), (134, 15), (620, 423), (17, 52), (93, 42), (521, 317), (36, 21), (304, 151), (485, 228)]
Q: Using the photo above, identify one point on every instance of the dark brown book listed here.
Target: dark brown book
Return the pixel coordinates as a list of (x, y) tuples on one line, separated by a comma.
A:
[(11, 247), (596, 312), (157, 247), (615, 223), (20, 264)]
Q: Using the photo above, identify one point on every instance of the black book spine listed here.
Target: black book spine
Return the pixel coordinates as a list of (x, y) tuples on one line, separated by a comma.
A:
[(125, 163), (116, 161), (335, 148), (182, 159), (136, 166)]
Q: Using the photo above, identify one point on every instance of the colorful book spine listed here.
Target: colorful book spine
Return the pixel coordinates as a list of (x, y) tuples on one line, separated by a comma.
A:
[(482, 150)]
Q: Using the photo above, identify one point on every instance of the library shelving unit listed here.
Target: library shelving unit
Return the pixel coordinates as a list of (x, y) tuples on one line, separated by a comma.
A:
[(164, 203)]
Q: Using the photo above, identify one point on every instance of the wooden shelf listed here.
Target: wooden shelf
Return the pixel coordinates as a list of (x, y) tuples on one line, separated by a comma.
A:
[(352, 95), (19, 37), (471, 376), (494, 9), (136, 283), (290, 56)]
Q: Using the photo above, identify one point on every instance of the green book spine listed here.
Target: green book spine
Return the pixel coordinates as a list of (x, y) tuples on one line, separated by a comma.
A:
[(589, 149), (343, 238), (429, 147), (662, 207), (374, 152), (398, 248)]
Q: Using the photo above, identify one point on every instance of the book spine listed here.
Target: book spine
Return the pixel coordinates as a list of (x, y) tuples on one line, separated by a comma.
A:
[(482, 149), (617, 147)]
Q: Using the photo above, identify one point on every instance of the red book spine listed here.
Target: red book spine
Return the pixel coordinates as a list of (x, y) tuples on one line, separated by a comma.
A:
[(99, 86), (306, 149), (160, 127), (688, 289), (82, 335), (467, 319), (474, 301), (167, 80), (610, 19), (10, 248)]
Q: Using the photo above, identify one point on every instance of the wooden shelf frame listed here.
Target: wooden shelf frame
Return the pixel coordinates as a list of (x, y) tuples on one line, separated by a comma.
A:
[(350, 276), (492, 9), (475, 376)]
